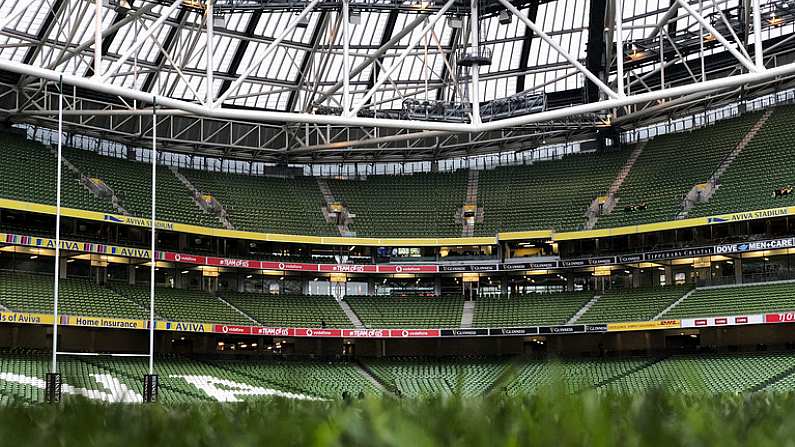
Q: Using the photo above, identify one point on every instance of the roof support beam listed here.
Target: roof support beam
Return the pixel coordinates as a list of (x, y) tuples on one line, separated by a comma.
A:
[(571, 59), (399, 60), (270, 116), (375, 55), (595, 56), (527, 41), (729, 47), (141, 40), (255, 64)]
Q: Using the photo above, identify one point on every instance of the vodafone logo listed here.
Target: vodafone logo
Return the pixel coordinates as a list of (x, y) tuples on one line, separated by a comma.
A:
[(309, 332), (225, 329), (405, 333), (398, 269), (177, 257), (281, 266)]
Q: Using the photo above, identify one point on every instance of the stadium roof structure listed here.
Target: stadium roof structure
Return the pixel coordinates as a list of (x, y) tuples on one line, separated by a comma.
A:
[(381, 80)]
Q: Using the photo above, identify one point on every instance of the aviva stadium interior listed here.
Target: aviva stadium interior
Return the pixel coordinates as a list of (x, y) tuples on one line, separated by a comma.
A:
[(231, 200)]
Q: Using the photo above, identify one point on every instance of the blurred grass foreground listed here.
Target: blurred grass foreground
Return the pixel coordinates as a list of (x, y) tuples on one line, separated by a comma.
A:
[(552, 417)]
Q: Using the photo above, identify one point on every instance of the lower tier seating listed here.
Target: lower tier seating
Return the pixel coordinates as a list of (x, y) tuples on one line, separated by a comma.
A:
[(418, 377), (185, 380)]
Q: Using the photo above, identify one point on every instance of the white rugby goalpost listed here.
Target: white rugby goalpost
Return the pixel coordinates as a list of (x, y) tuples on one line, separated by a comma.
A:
[(53, 383)]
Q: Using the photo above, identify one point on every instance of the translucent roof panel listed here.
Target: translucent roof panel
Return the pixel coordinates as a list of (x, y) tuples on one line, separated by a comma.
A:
[(28, 18), (423, 64)]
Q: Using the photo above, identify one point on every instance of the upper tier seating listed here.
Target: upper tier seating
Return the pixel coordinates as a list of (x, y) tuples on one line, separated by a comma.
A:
[(762, 167), (620, 305), (725, 301), (184, 305), (28, 171), (545, 195), (132, 184), (552, 194), (668, 168), (407, 312), (34, 293), (267, 204), (419, 205), (290, 310), (537, 309)]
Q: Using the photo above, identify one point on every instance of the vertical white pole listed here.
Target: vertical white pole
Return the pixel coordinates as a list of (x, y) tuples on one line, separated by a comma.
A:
[(760, 63), (662, 63), (346, 59), (474, 96), (210, 50), (701, 41), (57, 231), (98, 38), (154, 240), (619, 34)]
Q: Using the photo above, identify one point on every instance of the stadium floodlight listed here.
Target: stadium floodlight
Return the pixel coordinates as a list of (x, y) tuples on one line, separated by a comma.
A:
[(505, 17), (455, 22), (219, 21), (303, 22), (123, 6), (355, 18)]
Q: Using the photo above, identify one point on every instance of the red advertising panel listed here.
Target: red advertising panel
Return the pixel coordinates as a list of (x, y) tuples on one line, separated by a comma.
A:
[(783, 317), (414, 333), (347, 268), (229, 329), (302, 332), (292, 266), (272, 331), (365, 333), (721, 321), (701, 322), (188, 259), (408, 268), (226, 262), (740, 320)]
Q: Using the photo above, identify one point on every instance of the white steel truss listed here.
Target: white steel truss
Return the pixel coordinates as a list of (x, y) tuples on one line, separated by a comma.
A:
[(344, 112)]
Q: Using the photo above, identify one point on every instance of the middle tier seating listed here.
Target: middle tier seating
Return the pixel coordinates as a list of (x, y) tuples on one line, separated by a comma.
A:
[(408, 312), (34, 293), (621, 305), (529, 310), (726, 301), (184, 305), (290, 310)]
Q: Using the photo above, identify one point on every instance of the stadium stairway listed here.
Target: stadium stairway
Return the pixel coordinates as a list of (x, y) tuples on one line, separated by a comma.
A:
[(329, 199), (468, 314), (700, 195), (674, 304), (623, 374), (468, 225), (357, 323), (773, 296), (221, 215), (594, 211), (90, 187), (772, 381), (237, 309), (583, 309)]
